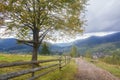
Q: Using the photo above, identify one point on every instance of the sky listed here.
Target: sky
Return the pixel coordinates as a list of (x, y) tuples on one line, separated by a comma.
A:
[(103, 16)]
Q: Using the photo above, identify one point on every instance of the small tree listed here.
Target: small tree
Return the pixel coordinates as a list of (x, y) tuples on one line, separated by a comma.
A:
[(73, 52), (45, 49)]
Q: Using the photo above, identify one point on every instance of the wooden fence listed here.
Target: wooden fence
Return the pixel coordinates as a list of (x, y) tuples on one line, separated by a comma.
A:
[(59, 63)]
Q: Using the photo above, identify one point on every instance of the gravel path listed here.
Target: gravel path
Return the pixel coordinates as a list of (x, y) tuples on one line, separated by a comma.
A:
[(88, 71)]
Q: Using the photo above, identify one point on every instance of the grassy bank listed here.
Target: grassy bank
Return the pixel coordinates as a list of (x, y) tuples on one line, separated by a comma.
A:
[(67, 72), (114, 69)]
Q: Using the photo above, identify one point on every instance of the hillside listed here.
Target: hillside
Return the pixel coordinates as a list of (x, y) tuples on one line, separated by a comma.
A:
[(94, 44), (10, 45), (104, 44)]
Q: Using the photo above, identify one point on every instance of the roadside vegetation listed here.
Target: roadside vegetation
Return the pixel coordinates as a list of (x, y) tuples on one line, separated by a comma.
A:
[(67, 72), (112, 59), (112, 68)]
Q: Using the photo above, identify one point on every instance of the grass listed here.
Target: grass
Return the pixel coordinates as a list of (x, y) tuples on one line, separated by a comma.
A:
[(67, 72), (114, 69), (19, 57)]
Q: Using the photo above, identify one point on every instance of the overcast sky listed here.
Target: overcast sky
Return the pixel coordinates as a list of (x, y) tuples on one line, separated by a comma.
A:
[(103, 15)]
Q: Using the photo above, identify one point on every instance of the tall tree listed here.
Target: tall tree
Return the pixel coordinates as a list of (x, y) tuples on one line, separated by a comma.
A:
[(33, 19)]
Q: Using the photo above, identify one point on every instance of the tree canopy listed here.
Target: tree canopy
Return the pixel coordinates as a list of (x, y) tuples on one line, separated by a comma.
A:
[(31, 20)]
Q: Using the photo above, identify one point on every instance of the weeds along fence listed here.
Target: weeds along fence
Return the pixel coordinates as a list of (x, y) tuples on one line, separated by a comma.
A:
[(45, 69)]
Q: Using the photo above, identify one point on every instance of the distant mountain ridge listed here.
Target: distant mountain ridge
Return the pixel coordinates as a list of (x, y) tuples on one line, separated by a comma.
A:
[(95, 40), (93, 43), (11, 45)]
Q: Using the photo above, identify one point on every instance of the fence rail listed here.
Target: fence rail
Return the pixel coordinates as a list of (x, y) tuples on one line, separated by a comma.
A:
[(61, 63), (25, 63)]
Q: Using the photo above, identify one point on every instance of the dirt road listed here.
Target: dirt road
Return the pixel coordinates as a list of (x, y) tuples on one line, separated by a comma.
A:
[(88, 71)]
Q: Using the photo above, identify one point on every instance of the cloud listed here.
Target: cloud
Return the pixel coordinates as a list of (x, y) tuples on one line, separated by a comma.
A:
[(103, 15)]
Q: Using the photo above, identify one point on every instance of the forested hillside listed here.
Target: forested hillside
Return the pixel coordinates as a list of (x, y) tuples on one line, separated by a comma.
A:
[(106, 44)]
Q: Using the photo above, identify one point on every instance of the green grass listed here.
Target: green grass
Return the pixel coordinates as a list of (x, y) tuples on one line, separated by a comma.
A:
[(67, 72), (19, 57), (114, 69)]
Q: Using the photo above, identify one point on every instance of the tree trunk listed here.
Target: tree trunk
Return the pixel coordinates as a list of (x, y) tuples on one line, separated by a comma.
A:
[(35, 44), (35, 51), (35, 47)]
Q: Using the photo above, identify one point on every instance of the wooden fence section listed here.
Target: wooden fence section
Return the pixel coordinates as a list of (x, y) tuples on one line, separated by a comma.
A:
[(61, 62)]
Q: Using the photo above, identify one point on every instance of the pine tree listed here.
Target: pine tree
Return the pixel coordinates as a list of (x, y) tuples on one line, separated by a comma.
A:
[(45, 49)]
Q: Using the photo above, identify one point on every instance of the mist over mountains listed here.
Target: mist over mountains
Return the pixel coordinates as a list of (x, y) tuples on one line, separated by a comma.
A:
[(93, 44)]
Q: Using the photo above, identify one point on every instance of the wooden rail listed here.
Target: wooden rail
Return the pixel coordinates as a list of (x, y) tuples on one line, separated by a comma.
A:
[(25, 63), (61, 63)]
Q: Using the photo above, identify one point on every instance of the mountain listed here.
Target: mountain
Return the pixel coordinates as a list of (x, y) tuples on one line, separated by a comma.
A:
[(93, 44), (10, 45), (95, 40), (106, 44)]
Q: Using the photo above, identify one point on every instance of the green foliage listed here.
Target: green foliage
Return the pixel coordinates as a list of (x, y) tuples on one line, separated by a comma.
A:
[(106, 48), (113, 59), (73, 52), (45, 49), (26, 15)]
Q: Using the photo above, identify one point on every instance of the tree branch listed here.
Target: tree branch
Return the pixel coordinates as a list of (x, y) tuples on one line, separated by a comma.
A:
[(25, 41), (45, 32), (28, 44), (27, 7), (27, 25), (43, 35)]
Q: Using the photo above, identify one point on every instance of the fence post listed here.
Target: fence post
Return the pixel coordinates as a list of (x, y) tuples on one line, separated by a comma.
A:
[(65, 60), (33, 73), (60, 65), (69, 59), (34, 65)]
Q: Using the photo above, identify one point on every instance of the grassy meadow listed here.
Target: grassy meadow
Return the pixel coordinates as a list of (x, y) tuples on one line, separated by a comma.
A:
[(67, 72)]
